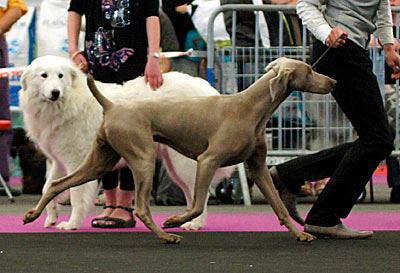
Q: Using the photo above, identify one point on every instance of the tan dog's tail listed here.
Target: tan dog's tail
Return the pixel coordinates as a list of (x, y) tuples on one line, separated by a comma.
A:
[(104, 102)]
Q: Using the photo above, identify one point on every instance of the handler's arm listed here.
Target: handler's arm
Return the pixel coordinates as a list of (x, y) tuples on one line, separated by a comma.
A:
[(74, 27), (311, 16), (384, 31), (9, 18), (152, 71)]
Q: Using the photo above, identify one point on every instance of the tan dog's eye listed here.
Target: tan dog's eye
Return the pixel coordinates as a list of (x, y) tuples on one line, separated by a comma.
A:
[(43, 75), (60, 76)]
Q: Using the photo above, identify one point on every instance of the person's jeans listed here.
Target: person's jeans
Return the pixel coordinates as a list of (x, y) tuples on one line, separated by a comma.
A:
[(349, 165), (5, 137)]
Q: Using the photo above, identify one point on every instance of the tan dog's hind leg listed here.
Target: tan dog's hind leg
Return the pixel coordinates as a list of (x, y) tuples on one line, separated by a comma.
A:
[(206, 168), (260, 175), (100, 160)]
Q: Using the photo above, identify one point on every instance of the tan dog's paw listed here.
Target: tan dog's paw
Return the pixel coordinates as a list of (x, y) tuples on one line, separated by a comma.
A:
[(306, 237), (30, 216), (173, 221), (171, 239)]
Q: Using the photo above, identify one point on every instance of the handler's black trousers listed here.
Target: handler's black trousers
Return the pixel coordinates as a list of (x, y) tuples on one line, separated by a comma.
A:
[(350, 165)]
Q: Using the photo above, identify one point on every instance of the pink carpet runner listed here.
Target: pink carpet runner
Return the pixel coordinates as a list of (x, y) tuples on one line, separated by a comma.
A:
[(215, 223)]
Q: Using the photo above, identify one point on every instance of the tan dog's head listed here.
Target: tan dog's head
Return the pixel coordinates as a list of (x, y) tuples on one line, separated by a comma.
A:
[(49, 77), (296, 75)]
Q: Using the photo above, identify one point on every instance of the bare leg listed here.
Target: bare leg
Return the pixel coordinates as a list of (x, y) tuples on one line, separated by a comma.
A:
[(101, 159), (111, 200), (123, 199)]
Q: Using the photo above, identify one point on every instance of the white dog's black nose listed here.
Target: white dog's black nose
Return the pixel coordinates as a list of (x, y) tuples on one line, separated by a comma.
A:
[(55, 94)]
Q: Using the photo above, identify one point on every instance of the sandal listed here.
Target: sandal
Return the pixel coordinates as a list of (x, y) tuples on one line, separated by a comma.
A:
[(95, 221), (117, 222)]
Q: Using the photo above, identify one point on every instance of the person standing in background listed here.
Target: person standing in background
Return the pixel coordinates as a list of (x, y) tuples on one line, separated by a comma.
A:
[(177, 11), (121, 37), (392, 162), (10, 12)]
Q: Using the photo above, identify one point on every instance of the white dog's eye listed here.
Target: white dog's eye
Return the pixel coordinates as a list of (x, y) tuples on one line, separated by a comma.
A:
[(43, 75), (60, 76)]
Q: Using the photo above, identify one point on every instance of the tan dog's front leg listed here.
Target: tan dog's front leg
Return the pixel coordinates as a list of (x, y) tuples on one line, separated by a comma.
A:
[(101, 160), (205, 172), (262, 178)]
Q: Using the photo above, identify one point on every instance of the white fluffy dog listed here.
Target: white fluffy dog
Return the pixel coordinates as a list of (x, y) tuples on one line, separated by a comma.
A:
[(62, 116)]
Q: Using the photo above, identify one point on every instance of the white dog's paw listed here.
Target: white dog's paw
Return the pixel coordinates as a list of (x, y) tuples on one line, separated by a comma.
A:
[(51, 220), (195, 224), (67, 226)]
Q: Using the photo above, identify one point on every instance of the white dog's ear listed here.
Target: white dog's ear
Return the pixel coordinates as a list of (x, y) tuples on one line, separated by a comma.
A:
[(280, 82), (24, 78), (74, 76)]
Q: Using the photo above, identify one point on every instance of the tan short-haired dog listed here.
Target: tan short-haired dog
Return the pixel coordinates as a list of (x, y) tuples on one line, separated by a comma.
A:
[(215, 131)]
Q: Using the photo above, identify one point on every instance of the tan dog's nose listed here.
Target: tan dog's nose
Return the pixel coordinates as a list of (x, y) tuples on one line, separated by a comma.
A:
[(333, 84)]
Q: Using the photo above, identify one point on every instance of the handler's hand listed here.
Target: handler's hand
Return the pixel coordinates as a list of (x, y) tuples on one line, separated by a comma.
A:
[(80, 61), (393, 60), (152, 73), (336, 38)]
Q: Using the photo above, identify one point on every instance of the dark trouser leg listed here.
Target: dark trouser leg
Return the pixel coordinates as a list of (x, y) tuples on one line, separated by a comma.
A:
[(6, 137), (349, 165), (393, 169), (110, 180), (126, 180)]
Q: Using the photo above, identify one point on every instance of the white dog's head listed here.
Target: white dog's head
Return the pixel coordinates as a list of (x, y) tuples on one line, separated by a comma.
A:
[(50, 76)]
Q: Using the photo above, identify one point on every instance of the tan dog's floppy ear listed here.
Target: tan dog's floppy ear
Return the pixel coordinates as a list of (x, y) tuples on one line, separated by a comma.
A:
[(280, 82), (24, 79), (270, 66), (276, 64)]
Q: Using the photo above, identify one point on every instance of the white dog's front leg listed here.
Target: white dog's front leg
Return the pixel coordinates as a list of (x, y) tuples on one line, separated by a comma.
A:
[(198, 222), (56, 171), (82, 201)]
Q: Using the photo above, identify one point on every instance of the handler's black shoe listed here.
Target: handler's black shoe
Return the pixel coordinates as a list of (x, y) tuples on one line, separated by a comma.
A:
[(338, 231), (288, 198)]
